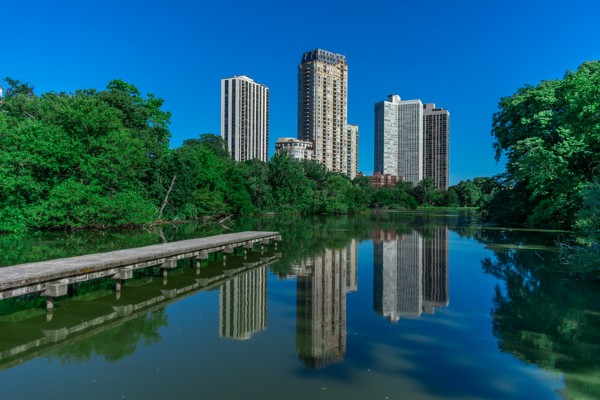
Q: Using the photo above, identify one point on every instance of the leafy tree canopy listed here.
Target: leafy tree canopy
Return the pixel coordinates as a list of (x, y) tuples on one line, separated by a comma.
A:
[(549, 135)]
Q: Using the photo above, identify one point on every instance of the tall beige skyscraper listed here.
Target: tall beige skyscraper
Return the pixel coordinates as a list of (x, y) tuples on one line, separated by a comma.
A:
[(436, 144), (245, 118), (323, 107)]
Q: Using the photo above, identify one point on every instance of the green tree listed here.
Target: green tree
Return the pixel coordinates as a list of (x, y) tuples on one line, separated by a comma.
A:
[(550, 137), (292, 190), (469, 194), (70, 161), (332, 196), (200, 181), (215, 143), (315, 171), (257, 183), (582, 258), (424, 191)]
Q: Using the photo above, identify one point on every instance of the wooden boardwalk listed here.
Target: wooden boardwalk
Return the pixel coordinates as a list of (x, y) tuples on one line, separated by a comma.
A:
[(51, 278)]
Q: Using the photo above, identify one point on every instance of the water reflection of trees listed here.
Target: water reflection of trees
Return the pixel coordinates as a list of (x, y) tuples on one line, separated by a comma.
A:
[(92, 322), (303, 235), (40, 246), (542, 318), (306, 236), (118, 342)]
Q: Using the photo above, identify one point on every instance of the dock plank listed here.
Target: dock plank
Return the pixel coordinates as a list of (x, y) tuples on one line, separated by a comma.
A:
[(51, 270)]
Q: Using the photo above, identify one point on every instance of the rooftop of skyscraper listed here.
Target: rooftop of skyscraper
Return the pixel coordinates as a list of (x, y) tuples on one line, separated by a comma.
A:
[(247, 79), (323, 56)]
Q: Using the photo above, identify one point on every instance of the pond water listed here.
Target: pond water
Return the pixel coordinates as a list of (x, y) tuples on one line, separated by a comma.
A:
[(383, 306)]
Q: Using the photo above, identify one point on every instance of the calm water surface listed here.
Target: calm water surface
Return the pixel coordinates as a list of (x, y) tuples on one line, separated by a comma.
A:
[(392, 306)]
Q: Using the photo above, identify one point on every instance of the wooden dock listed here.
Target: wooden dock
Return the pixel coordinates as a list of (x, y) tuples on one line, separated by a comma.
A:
[(51, 278)]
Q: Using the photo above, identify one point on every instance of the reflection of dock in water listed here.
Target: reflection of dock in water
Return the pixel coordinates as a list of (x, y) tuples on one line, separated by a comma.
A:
[(410, 273), (45, 333)]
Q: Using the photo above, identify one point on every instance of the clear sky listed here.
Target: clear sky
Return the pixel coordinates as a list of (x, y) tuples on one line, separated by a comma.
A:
[(462, 55)]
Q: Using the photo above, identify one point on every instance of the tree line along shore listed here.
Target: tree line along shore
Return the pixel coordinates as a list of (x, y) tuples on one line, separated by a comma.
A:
[(101, 158)]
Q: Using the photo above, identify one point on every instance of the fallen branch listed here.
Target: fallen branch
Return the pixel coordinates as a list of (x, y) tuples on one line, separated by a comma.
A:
[(167, 197)]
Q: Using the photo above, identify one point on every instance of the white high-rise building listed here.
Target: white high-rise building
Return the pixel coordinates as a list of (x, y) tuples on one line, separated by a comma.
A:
[(245, 118), (399, 138), (323, 107)]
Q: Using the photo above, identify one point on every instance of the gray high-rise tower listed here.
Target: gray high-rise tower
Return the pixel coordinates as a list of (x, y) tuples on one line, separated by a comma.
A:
[(436, 144)]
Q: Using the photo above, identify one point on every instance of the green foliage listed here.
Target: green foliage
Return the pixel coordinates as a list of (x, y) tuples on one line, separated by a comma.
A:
[(94, 159), (292, 191), (199, 181), (550, 137), (332, 197), (257, 184), (582, 259), (78, 160), (215, 143), (423, 190), (468, 193), (588, 218), (541, 318)]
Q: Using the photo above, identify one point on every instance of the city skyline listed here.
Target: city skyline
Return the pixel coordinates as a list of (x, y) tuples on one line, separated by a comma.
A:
[(471, 55)]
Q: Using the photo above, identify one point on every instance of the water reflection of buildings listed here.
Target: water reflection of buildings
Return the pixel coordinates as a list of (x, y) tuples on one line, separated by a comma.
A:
[(322, 283), (243, 305), (410, 273)]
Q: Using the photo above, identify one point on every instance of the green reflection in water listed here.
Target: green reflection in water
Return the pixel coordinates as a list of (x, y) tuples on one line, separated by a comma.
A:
[(95, 321), (542, 318), (538, 316)]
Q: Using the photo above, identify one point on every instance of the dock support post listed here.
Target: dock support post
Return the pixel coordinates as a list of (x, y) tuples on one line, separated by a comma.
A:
[(170, 263), (54, 289), (121, 275), (49, 303)]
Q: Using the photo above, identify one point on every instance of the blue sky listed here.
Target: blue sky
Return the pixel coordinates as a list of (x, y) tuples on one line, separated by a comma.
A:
[(462, 55)]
